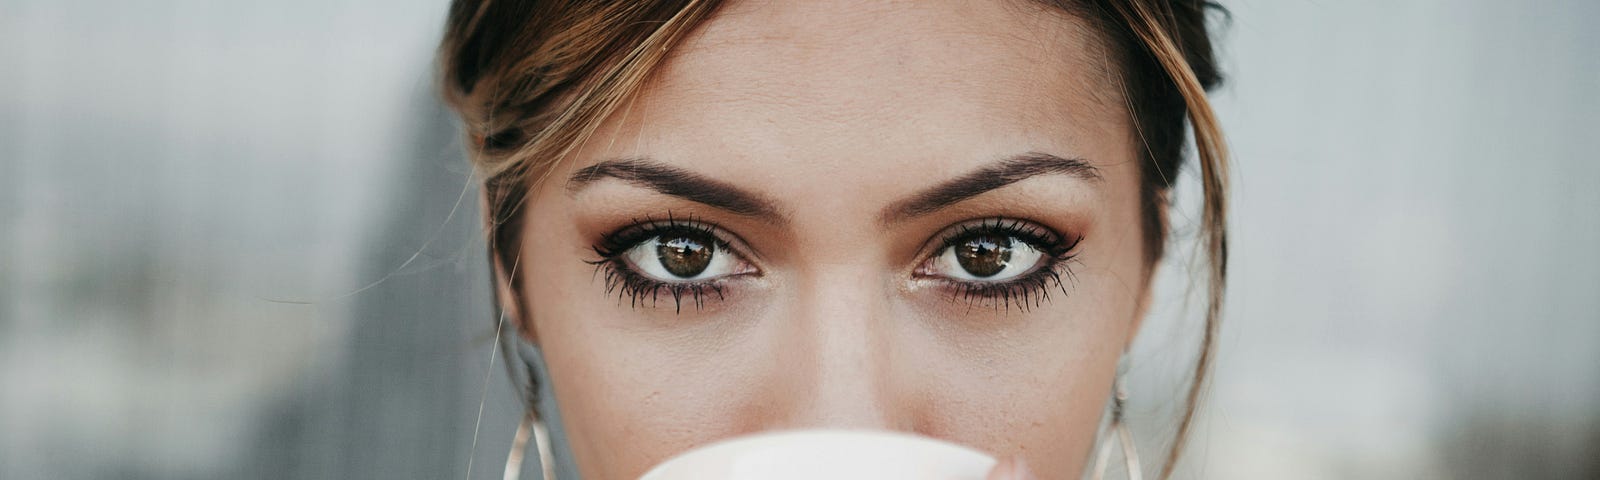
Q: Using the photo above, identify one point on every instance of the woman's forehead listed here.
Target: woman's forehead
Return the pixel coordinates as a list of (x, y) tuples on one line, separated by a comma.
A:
[(849, 82), (855, 58)]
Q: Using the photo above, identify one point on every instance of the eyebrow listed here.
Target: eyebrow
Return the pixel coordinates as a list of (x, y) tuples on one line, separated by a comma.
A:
[(1005, 172), (694, 187), (679, 183)]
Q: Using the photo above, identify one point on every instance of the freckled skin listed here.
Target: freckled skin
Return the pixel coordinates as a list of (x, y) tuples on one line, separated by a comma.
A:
[(835, 110)]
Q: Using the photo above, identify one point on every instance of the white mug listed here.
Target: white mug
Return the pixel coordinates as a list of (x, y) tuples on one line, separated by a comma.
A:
[(826, 454)]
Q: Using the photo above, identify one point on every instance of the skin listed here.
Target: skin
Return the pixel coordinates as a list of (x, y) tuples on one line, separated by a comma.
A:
[(833, 112)]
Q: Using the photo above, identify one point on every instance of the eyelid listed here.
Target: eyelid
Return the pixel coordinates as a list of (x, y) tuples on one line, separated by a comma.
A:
[(617, 243), (1023, 292), (630, 281), (1040, 236)]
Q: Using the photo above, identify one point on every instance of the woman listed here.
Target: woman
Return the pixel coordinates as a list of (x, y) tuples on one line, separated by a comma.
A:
[(933, 217)]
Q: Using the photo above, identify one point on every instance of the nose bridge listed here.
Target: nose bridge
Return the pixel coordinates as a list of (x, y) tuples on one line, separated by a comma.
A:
[(844, 376)]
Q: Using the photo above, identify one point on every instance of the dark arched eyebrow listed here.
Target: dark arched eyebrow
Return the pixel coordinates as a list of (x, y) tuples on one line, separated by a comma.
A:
[(990, 177), (679, 183), (695, 187)]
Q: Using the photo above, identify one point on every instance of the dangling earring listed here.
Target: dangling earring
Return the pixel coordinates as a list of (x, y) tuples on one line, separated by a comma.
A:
[(1130, 454), (531, 426)]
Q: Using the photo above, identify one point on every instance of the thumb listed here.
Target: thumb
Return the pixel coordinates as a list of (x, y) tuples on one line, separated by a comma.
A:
[(1011, 468)]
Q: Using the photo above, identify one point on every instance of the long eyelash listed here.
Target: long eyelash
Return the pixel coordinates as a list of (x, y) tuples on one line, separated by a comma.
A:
[(1030, 290), (1023, 293), (637, 231), (1035, 235), (638, 289), (627, 283)]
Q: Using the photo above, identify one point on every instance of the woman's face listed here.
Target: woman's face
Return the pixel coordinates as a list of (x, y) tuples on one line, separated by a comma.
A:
[(878, 215)]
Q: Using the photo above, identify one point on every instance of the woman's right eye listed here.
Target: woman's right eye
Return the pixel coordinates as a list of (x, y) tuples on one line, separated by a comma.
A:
[(680, 260), (682, 257)]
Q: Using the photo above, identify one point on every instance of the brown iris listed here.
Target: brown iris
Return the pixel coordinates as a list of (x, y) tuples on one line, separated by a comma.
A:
[(684, 255), (984, 256)]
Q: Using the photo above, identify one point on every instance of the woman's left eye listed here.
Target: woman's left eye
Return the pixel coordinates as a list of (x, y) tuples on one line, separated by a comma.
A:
[(985, 257)]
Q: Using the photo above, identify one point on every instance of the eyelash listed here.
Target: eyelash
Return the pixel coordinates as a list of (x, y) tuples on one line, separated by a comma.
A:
[(1029, 290), (626, 282)]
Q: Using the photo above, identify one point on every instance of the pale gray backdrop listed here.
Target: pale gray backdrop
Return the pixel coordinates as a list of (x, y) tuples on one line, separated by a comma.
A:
[(195, 195)]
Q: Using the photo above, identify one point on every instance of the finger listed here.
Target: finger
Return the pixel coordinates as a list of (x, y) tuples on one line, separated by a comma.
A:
[(1011, 468)]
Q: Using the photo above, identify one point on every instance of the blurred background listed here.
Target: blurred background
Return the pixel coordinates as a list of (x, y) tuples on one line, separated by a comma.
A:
[(239, 240)]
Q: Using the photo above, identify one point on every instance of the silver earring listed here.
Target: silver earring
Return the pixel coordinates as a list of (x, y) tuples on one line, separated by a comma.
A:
[(1119, 427), (531, 427)]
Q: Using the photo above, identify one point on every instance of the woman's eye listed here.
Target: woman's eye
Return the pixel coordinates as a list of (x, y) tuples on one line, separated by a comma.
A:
[(986, 258), (683, 257)]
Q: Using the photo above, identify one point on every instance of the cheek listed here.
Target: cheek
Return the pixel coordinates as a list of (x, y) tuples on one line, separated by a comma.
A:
[(1038, 388), (1040, 394), (627, 408), (631, 392)]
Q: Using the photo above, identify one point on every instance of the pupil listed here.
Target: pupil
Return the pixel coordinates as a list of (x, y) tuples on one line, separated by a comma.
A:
[(684, 256), (984, 256)]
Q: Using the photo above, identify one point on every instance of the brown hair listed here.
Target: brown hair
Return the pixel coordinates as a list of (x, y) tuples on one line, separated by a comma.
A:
[(533, 79)]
